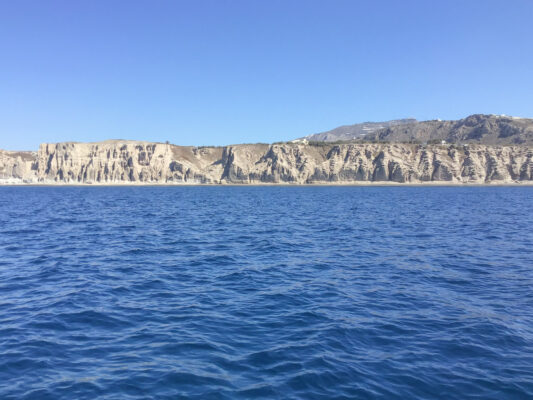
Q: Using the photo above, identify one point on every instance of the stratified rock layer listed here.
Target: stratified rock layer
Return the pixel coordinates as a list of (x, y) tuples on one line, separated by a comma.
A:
[(116, 162)]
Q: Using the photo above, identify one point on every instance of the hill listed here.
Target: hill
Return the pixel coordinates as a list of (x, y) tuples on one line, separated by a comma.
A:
[(478, 128)]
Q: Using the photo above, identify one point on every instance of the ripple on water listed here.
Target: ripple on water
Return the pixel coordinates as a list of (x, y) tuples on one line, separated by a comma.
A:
[(266, 292)]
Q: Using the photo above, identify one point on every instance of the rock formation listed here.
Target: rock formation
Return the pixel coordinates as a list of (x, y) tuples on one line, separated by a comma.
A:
[(118, 162), (17, 166)]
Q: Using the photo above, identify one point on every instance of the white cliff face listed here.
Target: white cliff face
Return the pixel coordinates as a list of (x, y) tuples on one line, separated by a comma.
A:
[(380, 163), (17, 166), (105, 162), (116, 162)]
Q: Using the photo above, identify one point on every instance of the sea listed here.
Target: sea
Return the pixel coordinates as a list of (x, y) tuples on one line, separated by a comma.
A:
[(273, 292)]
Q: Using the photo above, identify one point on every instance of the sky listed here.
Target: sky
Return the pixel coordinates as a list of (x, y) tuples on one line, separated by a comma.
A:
[(215, 72)]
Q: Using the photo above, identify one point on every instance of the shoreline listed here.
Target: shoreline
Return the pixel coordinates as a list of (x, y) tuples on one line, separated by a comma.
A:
[(125, 163), (278, 184)]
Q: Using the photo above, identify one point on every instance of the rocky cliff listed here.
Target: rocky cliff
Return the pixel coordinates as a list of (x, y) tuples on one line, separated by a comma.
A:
[(17, 166), (116, 162)]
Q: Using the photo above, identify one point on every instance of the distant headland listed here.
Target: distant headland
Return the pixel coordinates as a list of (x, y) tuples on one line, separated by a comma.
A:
[(479, 149)]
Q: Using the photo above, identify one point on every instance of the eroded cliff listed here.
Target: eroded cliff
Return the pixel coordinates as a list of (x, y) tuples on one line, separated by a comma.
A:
[(116, 162)]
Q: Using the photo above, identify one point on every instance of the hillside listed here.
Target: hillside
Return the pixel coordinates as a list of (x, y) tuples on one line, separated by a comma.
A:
[(356, 131), (477, 128)]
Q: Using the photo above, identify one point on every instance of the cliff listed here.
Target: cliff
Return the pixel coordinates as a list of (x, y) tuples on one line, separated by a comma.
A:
[(116, 162), (17, 166)]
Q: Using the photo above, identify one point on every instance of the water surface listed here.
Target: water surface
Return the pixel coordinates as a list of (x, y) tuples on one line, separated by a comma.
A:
[(266, 292)]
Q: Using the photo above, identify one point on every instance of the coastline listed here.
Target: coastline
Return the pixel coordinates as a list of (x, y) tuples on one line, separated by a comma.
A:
[(277, 184), (120, 163)]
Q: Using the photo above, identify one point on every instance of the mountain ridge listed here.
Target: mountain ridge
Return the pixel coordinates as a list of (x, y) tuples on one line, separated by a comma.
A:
[(355, 131), (489, 129)]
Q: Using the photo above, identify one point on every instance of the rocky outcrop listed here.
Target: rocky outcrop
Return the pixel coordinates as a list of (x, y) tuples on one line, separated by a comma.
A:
[(17, 166), (116, 162)]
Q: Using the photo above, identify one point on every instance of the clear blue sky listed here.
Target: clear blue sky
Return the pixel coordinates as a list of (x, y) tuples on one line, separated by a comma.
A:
[(220, 72)]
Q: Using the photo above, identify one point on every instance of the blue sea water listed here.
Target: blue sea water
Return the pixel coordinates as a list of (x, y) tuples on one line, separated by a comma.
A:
[(266, 292)]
